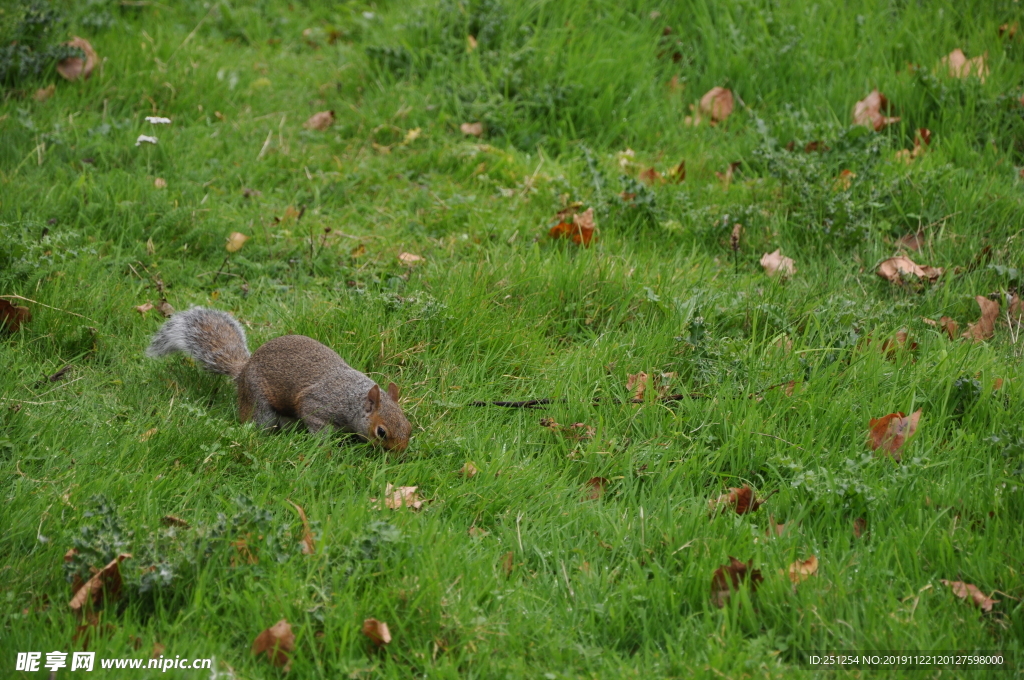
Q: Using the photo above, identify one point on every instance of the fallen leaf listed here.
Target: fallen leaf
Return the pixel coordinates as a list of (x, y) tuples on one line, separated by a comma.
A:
[(997, 384), (377, 631), (308, 545), (158, 650), (74, 68), (775, 263), (145, 139), (358, 251), (639, 382), (147, 434), (860, 527), (844, 181), (44, 93), (716, 104), (172, 521), (581, 231), (241, 547), (477, 532), (160, 183), (726, 177), (957, 65), (870, 112), (595, 488), (890, 432), (409, 258), (396, 497), (775, 529), (912, 241), (922, 138), (472, 129), (508, 563), (900, 342), (320, 121), (965, 590), (1016, 312), (471, 43), (12, 316), (235, 241), (945, 323), (251, 193), (411, 135), (895, 269), (165, 308), (986, 325), (801, 570), (1009, 30), (468, 471), (278, 642), (650, 177), (144, 307), (728, 578), (105, 582), (678, 172), (741, 499)]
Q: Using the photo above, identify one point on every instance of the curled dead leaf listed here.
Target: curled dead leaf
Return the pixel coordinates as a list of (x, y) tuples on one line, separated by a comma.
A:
[(144, 307), (278, 642), (957, 65), (776, 263), (871, 111), (396, 497), (468, 471), (104, 583), (165, 309), (508, 563), (147, 434), (968, 590), (844, 181), (44, 93), (308, 545), (896, 269), (377, 631), (410, 258), (477, 532), (13, 316), (472, 129), (173, 521), (716, 104), (74, 68), (900, 342), (595, 488), (860, 527), (580, 231), (728, 578), (235, 241), (160, 183), (985, 327), (320, 121), (651, 176), (741, 499), (801, 570), (891, 432)]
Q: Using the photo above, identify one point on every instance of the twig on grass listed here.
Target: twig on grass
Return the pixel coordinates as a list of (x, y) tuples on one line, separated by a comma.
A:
[(18, 297)]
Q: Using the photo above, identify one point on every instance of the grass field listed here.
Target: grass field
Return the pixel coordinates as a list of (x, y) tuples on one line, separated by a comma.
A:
[(516, 572)]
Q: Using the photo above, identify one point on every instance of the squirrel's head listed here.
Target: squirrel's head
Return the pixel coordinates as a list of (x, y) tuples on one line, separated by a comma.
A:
[(387, 426)]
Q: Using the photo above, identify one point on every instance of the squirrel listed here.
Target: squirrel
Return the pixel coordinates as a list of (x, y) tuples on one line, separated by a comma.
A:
[(291, 377)]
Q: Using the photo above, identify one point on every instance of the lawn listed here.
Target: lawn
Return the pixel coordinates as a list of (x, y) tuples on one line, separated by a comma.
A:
[(580, 538)]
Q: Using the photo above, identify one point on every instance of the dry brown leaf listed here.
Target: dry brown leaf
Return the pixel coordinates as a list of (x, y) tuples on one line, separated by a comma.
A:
[(13, 316), (147, 434), (235, 241), (776, 263), (160, 183), (890, 432), (581, 231), (158, 650), (595, 488), (896, 268), (728, 578), (871, 111), (508, 563), (377, 631), (396, 497), (716, 104), (650, 177), (844, 181), (172, 521), (912, 241), (165, 308), (278, 642), (74, 68), (957, 65), (678, 173), (968, 590), (104, 583), (308, 544), (986, 325), (734, 238), (801, 570), (741, 499), (477, 532), (922, 138), (1016, 312), (245, 553), (901, 341), (472, 129), (320, 121), (860, 527), (468, 471), (1009, 30), (945, 323), (44, 93), (410, 258), (775, 529)]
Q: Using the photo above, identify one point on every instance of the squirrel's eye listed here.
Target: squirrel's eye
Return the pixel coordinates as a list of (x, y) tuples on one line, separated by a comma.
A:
[(381, 432)]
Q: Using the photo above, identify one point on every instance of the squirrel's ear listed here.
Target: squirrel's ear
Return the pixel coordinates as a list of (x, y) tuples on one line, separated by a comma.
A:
[(393, 392), (373, 399)]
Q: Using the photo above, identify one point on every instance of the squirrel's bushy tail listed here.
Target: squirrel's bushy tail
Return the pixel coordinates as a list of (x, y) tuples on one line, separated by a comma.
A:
[(211, 337)]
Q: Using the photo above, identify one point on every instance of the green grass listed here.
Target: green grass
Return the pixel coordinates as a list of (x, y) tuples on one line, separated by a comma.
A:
[(618, 587)]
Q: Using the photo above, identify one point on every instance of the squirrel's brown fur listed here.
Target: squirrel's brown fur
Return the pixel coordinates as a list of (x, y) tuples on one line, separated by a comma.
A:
[(289, 378)]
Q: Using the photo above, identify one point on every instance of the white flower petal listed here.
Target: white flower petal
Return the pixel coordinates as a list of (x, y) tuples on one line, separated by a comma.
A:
[(157, 120), (145, 138)]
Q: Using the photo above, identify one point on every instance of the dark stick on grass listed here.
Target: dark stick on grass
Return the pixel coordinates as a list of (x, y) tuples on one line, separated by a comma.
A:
[(55, 377), (534, 403)]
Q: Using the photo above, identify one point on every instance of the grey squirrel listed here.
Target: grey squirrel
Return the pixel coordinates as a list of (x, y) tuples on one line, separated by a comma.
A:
[(289, 378)]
